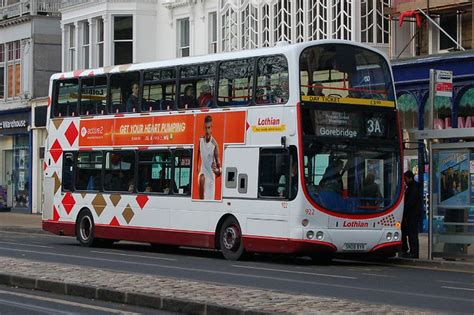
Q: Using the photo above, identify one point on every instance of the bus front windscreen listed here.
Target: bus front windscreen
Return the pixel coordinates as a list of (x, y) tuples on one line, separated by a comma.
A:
[(351, 158), (334, 72)]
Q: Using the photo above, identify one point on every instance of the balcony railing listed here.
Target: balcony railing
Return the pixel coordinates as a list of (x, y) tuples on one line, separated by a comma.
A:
[(30, 7)]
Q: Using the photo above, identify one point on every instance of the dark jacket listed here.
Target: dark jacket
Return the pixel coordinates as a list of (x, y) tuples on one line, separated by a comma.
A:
[(413, 202)]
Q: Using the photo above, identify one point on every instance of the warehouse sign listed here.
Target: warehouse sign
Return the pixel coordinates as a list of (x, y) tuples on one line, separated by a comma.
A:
[(14, 123)]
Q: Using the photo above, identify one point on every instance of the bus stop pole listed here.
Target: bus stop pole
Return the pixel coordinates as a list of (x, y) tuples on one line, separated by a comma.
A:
[(430, 164)]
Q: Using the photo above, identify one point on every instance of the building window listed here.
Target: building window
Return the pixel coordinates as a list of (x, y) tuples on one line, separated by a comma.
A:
[(452, 25), (212, 32), (85, 45), (72, 47), (374, 25), (100, 42), (2, 71), (13, 69), (123, 39), (183, 38)]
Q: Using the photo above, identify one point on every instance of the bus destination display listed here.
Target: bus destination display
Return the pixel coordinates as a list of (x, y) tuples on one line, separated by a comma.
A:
[(351, 125)]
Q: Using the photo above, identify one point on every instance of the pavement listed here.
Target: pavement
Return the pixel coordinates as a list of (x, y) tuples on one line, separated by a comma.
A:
[(181, 295)]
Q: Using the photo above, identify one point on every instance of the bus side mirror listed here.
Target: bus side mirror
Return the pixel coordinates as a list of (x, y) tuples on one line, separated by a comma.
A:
[(283, 141)]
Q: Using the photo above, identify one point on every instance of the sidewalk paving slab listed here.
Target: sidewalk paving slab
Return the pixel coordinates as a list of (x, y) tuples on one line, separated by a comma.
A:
[(176, 295)]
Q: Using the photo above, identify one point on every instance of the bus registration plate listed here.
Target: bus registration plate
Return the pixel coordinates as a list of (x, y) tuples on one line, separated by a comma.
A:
[(354, 246)]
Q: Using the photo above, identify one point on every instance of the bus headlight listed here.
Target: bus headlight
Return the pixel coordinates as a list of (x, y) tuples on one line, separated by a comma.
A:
[(389, 236), (310, 235), (396, 236), (319, 235)]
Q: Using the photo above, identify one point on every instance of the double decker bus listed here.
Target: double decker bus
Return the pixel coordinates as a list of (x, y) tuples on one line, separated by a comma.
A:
[(291, 149)]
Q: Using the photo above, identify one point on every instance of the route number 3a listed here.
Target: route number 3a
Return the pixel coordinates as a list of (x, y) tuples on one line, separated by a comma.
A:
[(373, 127)]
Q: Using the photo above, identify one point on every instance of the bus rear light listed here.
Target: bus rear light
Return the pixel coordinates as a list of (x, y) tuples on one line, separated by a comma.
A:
[(305, 222), (396, 236), (389, 236), (319, 235), (310, 235)]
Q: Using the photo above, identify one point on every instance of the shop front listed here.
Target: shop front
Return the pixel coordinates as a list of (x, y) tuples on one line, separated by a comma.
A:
[(441, 148), (15, 144)]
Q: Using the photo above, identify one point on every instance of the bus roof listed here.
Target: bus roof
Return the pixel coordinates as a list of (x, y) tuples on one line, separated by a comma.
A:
[(283, 48)]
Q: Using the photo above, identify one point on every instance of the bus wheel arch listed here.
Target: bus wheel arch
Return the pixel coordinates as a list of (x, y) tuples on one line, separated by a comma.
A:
[(85, 228), (229, 238)]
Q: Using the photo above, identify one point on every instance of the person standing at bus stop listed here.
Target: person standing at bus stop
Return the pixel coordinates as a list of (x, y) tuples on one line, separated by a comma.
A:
[(208, 162), (411, 216)]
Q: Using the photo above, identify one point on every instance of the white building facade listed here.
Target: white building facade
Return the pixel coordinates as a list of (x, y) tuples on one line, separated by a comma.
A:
[(109, 32)]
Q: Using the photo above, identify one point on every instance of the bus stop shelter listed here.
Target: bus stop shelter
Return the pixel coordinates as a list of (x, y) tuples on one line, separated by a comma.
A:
[(451, 192)]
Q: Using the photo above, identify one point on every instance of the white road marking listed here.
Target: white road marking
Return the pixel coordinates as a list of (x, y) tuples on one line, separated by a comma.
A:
[(376, 275), (70, 303), (21, 244), (132, 255), (35, 308), (455, 282), (295, 272), (457, 288)]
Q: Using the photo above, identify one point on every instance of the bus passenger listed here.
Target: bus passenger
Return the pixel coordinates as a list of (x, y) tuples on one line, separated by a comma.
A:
[(188, 100), (316, 89), (205, 98), (132, 102), (370, 191), (332, 178)]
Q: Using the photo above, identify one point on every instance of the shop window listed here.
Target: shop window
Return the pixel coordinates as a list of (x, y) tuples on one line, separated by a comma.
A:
[(123, 39), (88, 171), (236, 82), (466, 109), (182, 172), (93, 95), (272, 80), (125, 92), (65, 98), (119, 172), (441, 114), (408, 108), (154, 172)]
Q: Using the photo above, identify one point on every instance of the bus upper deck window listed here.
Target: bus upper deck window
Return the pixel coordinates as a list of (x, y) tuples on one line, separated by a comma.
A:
[(125, 92), (272, 80), (236, 82), (93, 96), (65, 99)]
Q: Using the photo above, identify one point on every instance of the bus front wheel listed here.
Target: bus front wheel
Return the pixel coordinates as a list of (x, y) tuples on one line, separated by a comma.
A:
[(85, 229), (230, 238)]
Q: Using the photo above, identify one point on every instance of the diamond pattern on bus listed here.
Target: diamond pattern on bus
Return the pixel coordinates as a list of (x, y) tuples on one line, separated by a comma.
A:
[(99, 204), (56, 151), (83, 195), (114, 222), (57, 182), (55, 214), (71, 133), (68, 202), (128, 214), (57, 122), (45, 166), (115, 198), (142, 200)]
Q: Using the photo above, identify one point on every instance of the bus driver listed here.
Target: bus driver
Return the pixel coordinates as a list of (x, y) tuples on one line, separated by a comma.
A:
[(208, 162)]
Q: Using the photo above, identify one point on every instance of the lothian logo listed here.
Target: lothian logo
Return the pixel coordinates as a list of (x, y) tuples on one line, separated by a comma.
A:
[(83, 131)]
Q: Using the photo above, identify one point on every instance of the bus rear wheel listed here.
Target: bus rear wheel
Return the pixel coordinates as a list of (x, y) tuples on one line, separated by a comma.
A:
[(85, 229), (230, 239)]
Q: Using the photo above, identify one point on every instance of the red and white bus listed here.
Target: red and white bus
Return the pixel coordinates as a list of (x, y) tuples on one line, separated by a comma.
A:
[(290, 149)]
